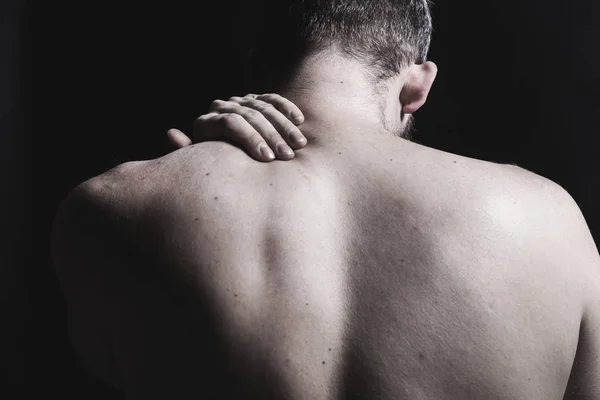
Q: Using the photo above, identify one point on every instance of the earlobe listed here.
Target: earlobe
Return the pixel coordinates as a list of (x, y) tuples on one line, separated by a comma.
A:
[(418, 84)]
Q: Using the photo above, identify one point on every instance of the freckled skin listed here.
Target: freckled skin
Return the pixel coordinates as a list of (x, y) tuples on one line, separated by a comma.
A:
[(343, 278)]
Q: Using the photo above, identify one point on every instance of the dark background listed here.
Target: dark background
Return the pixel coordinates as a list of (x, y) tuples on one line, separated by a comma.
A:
[(519, 82)]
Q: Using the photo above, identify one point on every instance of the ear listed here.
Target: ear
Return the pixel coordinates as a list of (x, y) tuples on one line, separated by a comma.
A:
[(418, 83)]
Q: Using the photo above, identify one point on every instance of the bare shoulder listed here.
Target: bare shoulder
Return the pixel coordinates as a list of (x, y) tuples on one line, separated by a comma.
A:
[(104, 227), (541, 221), (90, 216), (550, 214), (133, 198), (101, 200), (559, 234), (129, 187), (554, 206), (108, 215)]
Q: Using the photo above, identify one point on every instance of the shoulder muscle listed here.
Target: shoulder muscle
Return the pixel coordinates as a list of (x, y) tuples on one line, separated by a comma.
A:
[(569, 243)]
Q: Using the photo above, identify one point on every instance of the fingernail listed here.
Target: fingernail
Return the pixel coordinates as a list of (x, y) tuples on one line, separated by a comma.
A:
[(282, 148), (297, 118), (298, 137), (266, 151)]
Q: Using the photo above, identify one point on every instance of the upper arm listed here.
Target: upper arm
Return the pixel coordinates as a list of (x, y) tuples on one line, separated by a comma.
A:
[(558, 232), (580, 249), (84, 254), (584, 381), (77, 219), (70, 226), (91, 222)]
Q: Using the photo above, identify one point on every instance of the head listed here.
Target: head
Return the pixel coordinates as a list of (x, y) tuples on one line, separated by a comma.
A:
[(384, 41)]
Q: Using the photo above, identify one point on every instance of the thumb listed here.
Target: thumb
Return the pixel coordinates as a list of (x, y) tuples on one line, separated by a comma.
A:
[(178, 139)]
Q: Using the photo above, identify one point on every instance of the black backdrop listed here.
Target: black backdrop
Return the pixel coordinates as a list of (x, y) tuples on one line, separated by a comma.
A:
[(519, 81), (15, 184)]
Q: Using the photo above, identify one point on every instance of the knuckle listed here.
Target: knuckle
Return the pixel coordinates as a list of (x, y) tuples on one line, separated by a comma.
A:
[(216, 104), (264, 107), (229, 120), (235, 99), (203, 119), (206, 119), (268, 97), (252, 114)]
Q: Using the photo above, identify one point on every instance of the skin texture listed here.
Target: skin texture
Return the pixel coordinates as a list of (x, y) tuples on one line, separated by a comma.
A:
[(367, 267)]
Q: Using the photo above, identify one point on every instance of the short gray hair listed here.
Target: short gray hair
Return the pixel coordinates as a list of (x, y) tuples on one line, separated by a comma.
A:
[(384, 35)]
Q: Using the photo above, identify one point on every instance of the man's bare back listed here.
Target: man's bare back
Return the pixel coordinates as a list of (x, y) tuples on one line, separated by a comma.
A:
[(379, 270)]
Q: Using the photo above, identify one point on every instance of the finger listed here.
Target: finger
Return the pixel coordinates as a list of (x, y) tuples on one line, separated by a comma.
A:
[(205, 128), (178, 139), (262, 126), (290, 132), (235, 128), (284, 105), (215, 105)]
